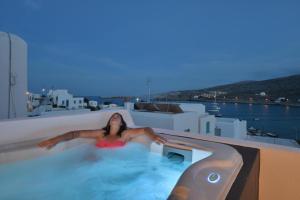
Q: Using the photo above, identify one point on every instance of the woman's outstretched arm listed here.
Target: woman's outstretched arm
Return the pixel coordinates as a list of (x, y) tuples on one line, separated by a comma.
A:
[(49, 143), (131, 133)]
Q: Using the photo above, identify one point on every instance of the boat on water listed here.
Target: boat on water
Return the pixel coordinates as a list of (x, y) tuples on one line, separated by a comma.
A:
[(269, 134), (258, 132), (214, 106), (214, 109), (218, 115), (254, 131)]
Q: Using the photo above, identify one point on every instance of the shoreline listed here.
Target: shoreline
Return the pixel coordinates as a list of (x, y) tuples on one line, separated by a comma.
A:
[(234, 101)]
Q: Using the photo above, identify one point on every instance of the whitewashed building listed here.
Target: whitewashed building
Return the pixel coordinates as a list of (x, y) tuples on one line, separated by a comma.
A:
[(206, 123), (61, 98), (186, 122), (263, 94), (93, 104), (231, 127), (33, 101), (193, 119)]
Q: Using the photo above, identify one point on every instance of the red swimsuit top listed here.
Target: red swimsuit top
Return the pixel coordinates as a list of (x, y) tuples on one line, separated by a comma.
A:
[(109, 144)]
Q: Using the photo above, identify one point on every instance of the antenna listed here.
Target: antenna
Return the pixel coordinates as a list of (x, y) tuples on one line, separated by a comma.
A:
[(148, 81)]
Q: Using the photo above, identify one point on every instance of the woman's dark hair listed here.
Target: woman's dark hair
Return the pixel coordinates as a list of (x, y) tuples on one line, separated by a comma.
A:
[(123, 126)]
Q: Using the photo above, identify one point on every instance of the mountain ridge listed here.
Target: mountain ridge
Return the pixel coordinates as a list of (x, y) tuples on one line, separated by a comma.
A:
[(288, 87)]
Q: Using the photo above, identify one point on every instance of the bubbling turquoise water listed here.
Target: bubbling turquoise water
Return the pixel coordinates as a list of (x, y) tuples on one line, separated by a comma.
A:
[(85, 172)]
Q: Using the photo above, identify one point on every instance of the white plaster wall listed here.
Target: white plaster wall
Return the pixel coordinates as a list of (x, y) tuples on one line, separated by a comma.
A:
[(198, 108), (202, 124), (19, 72), (58, 92), (4, 71), (241, 132), (64, 97), (156, 120), (228, 129), (129, 106), (76, 105), (184, 121), (231, 127)]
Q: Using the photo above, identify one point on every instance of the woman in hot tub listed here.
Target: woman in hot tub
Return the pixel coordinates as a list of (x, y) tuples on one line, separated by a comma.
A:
[(114, 134)]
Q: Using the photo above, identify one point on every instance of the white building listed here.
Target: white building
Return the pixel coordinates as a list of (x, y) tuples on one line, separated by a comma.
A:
[(181, 121), (93, 104), (206, 123), (231, 127), (61, 98), (193, 107), (263, 94), (193, 119), (33, 101), (13, 76)]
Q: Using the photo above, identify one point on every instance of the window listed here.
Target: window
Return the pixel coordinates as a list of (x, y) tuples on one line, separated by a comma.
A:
[(74, 101), (218, 132), (80, 101), (63, 102), (207, 127)]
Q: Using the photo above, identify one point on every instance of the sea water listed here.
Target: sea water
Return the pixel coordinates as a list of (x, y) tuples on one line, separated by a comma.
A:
[(86, 172), (282, 120)]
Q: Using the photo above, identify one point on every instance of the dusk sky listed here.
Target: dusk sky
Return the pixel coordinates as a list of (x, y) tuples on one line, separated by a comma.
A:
[(110, 48)]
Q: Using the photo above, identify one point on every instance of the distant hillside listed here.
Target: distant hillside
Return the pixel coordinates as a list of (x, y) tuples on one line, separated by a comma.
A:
[(288, 87)]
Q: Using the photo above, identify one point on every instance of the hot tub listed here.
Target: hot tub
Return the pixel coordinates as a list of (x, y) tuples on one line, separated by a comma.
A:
[(183, 168)]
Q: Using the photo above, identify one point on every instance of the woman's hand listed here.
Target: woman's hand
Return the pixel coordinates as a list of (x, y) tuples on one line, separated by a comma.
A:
[(64, 137), (156, 138), (159, 139), (48, 143), (132, 133)]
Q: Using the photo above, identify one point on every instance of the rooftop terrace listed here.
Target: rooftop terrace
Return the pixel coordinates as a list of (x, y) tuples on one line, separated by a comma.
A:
[(273, 172)]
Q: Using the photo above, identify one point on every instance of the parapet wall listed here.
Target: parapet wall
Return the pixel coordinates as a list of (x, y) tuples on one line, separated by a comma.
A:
[(279, 175)]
